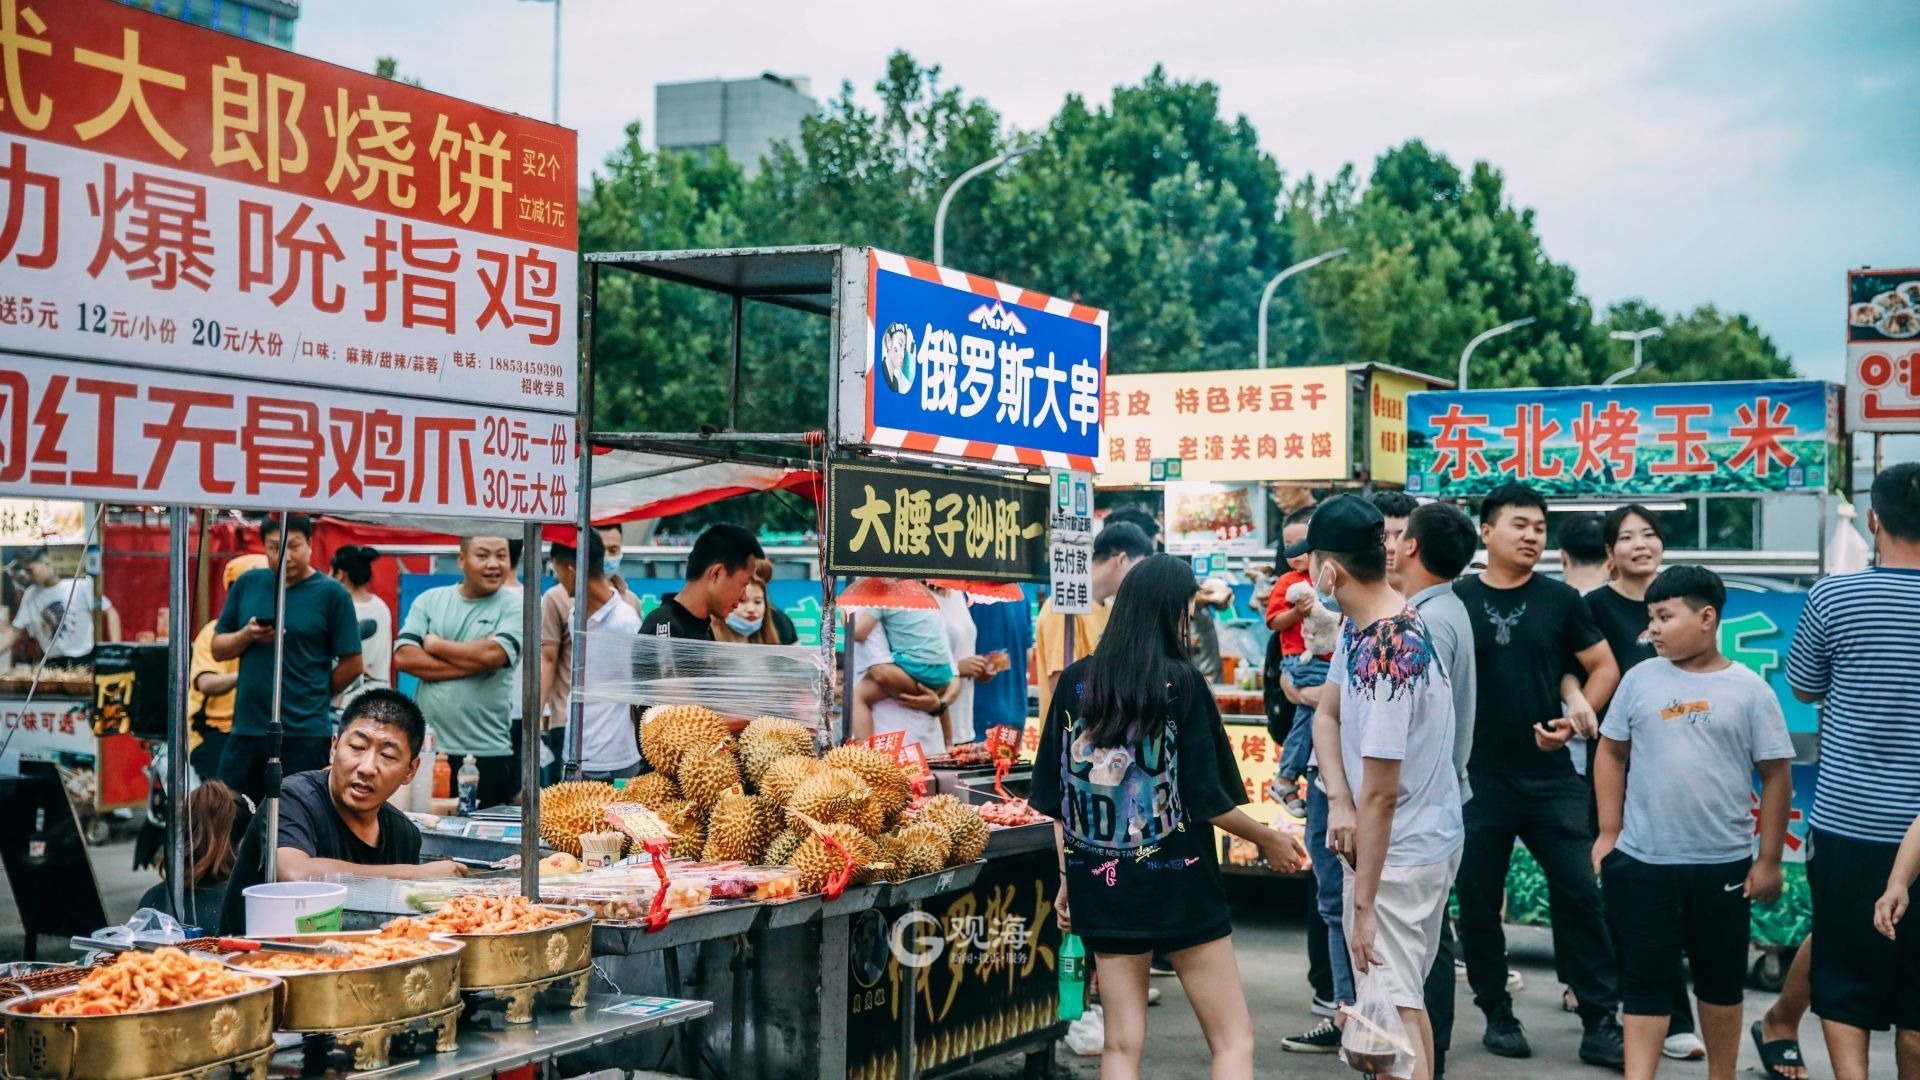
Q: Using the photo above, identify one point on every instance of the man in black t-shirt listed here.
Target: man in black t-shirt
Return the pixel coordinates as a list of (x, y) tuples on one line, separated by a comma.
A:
[(336, 820), (1530, 630), (719, 569)]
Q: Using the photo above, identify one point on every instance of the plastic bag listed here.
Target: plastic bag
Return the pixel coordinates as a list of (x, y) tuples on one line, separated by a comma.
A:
[(1375, 1041), (1087, 1036)]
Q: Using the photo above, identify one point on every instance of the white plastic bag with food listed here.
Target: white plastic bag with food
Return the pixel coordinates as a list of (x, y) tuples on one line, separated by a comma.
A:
[(1087, 1036), (1375, 1040)]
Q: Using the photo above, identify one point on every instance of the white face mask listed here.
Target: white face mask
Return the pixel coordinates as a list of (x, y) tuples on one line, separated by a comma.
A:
[(1323, 594)]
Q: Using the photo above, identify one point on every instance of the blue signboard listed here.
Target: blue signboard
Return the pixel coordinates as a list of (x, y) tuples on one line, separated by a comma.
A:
[(966, 367)]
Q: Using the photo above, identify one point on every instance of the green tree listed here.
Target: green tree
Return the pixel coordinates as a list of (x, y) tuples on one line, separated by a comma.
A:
[(388, 67)]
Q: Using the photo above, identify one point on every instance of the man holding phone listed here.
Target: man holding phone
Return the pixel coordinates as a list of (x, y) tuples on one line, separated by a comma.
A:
[(322, 657)]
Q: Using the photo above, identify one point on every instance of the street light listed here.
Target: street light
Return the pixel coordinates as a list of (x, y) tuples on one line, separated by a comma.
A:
[(1467, 353), (556, 56), (1266, 294), (946, 200), (1635, 336)]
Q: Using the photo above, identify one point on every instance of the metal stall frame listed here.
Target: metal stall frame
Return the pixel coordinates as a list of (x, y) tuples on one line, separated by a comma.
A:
[(818, 280)]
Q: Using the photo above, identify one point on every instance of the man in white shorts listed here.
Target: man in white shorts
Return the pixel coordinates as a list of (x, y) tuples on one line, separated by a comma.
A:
[(1385, 746)]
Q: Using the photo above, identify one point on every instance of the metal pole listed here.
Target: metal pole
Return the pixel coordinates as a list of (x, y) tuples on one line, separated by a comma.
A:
[(180, 657), (1467, 353), (846, 682), (531, 698), (1637, 337), (556, 61), (1266, 294), (733, 387), (276, 731), (1703, 523), (1879, 454), (583, 519), (946, 198)]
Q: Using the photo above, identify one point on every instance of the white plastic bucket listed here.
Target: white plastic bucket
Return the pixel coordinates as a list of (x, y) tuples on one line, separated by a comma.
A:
[(294, 907)]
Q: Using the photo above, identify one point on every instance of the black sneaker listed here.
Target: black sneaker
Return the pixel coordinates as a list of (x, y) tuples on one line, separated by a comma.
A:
[(1604, 1045), (1324, 1039), (1505, 1037)]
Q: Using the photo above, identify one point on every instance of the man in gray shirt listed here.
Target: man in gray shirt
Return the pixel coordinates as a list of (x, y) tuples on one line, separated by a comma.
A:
[(1435, 545)]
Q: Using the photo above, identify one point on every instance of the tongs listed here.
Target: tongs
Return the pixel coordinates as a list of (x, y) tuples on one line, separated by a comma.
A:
[(299, 948)]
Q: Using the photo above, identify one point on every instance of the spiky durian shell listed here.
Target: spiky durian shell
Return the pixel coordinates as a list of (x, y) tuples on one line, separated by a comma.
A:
[(572, 808), (676, 730), (769, 739), (891, 788)]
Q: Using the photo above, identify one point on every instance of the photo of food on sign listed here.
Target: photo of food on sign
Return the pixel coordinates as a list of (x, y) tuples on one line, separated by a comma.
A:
[(1883, 305)]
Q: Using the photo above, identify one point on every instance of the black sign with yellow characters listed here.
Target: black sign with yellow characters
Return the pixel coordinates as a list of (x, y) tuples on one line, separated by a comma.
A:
[(916, 522)]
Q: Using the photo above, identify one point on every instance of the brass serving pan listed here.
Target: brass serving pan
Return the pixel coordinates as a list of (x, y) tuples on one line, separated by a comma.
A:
[(336, 1001), (491, 961), (184, 1039)]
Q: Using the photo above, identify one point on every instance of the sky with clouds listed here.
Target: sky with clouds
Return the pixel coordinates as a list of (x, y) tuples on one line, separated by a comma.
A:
[(1743, 153)]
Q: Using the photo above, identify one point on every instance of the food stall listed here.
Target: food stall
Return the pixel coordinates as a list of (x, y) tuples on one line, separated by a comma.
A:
[(1659, 444), (889, 997)]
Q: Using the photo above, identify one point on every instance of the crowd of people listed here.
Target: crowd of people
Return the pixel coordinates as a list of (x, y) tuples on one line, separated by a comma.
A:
[(1594, 719)]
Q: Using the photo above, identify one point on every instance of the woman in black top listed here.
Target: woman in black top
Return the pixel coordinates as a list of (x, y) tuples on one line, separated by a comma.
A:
[(1133, 766), (213, 820)]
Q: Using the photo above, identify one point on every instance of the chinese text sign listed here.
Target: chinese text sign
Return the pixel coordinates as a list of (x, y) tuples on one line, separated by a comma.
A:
[(1883, 350), (180, 198), (966, 367), (1654, 439), (1272, 424), (901, 521), (1387, 425), (1070, 543)]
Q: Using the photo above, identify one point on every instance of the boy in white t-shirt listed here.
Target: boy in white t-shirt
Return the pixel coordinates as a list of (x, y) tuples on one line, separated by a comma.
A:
[(1385, 747), (1675, 853)]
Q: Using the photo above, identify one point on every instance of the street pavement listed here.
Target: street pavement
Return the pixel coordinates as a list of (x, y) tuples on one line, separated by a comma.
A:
[(1270, 937)]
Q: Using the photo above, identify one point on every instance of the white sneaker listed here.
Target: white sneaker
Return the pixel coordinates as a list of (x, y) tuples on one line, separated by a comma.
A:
[(1685, 1046), (1516, 982), (1322, 1007), (1153, 998)]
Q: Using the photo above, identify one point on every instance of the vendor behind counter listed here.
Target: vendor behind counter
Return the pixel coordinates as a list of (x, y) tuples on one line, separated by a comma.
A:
[(336, 820)]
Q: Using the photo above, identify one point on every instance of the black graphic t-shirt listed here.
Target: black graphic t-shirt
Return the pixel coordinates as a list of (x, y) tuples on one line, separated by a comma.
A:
[(1623, 623), (1141, 860), (1523, 639)]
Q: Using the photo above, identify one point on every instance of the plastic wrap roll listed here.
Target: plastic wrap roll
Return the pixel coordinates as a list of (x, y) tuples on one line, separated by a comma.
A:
[(737, 681)]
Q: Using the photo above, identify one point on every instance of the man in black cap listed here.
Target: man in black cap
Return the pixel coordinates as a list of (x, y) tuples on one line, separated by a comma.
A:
[(1384, 738)]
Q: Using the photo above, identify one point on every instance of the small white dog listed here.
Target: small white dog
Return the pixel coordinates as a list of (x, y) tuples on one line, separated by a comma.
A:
[(1321, 627)]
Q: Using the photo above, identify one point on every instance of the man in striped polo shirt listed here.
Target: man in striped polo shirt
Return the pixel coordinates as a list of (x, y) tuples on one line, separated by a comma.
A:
[(1856, 650)]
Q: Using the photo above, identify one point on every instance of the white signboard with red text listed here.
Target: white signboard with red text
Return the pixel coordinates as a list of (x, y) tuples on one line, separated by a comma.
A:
[(232, 235), (1883, 350)]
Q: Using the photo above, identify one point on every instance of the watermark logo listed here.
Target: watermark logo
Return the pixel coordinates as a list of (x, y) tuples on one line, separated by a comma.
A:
[(918, 940)]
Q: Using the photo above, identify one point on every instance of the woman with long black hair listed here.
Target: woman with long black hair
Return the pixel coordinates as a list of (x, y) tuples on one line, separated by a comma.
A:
[(1134, 766)]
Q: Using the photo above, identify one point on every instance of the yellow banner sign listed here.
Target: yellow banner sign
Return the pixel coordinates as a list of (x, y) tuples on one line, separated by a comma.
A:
[(41, 522), (1276, 424), (1387, 424)]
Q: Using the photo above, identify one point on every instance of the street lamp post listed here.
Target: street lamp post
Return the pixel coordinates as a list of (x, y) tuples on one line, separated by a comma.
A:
[(1266, 294), (1485, 336), (556, 56), (946, 200), (1635, 336)]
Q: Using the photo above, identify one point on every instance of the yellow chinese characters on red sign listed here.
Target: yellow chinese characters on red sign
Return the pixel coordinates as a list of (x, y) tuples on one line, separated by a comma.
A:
[(1273, 424)]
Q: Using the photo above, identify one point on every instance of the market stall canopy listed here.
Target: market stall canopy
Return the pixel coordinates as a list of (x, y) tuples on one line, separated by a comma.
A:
[(800, 277), (628, 485)]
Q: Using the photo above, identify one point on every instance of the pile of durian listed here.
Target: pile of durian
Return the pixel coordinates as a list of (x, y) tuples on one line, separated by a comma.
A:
[(763, 797)]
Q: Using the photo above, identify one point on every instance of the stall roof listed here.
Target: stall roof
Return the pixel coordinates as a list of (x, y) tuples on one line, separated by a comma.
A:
[(797, 277), (634, 485)]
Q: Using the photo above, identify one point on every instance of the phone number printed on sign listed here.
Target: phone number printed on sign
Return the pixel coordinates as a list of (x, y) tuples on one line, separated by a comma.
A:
[(175, 197), (133, 436)]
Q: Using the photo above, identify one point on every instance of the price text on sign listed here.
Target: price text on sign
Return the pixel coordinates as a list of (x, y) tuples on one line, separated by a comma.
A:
[(1883, 350), (902, 521), (176, 197), (1277, 424), (130, 435), (1657, 439)]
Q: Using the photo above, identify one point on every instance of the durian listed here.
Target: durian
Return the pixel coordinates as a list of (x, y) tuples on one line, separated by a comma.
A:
[(785, 776), (781, 848), (814, 862), (965, 828), (891, 788), (893, 852), (926, 847), (690, 831), (769, 739), (837, 795), (668, 734), (709, 773), (653, 791), (572, 808), (736, 830)]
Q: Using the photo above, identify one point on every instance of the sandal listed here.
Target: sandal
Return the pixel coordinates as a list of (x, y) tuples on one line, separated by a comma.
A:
[(1777, 1054)]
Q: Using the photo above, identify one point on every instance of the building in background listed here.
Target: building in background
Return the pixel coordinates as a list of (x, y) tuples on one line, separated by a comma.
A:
[(267, 21), (743, 116)]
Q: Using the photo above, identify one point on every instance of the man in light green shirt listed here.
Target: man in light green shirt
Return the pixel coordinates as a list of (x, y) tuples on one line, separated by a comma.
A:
[(462, 642)]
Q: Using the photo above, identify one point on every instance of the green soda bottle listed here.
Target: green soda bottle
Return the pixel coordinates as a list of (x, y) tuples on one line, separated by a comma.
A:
[(1073, 977)]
